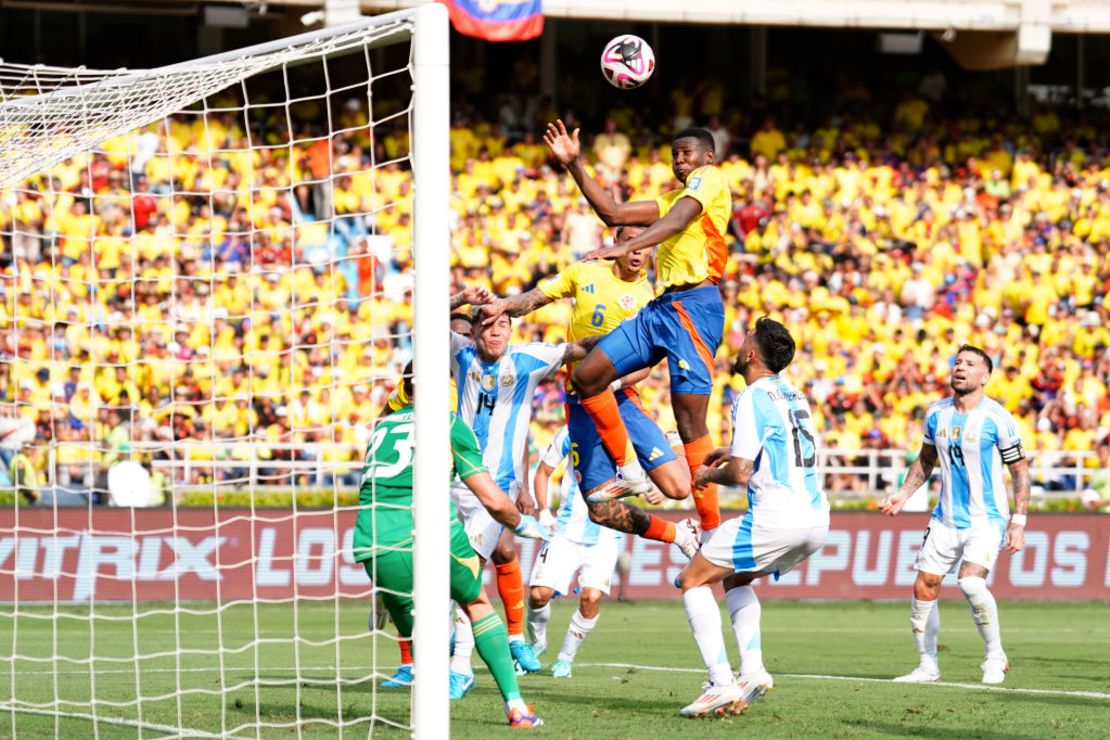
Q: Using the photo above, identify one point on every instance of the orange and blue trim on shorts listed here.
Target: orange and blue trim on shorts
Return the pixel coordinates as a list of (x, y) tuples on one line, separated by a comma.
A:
[(683, 326), (592, 464)]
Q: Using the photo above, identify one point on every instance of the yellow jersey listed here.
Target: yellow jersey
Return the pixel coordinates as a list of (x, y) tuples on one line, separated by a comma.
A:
[(698, 252), (601, 299)]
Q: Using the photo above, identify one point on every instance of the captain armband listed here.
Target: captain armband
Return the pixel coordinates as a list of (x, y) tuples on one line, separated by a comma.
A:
[(1013, 453)]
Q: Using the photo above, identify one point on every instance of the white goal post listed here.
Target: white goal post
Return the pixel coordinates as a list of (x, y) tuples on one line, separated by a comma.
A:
[(50, 115)]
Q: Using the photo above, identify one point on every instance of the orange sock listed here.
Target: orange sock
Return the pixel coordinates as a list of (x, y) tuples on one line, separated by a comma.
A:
[(510, 587), (659, 529), (705, 499), (606, 416), (406, 651)]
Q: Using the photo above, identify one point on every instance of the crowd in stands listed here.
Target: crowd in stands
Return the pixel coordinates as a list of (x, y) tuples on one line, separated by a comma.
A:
[(179, 286)]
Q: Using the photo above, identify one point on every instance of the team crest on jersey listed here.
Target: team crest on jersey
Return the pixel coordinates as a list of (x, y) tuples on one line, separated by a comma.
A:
[(508, 379), (955, 432), (969, 437), (627, 302), (489, 382), (942, 434)]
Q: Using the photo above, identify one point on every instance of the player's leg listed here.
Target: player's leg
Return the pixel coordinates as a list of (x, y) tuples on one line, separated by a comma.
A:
[(655, 451), (939, 552), (483, 534), (510, 587), (391, 574), (596, 563), (555, 565), (490, 637), (980, 551), (698, 321), (626, 349), (594, 471)]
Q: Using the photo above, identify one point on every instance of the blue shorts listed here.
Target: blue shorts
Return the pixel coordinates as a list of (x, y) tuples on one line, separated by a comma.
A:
[(684, 326), (592, 464)]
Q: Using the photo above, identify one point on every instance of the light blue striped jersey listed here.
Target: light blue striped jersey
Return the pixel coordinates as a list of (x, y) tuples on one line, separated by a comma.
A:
[(772, 425), (495, 400), (573, 519), (971, 448)]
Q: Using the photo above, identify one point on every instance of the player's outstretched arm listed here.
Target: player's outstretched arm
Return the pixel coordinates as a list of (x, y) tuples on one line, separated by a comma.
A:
[(568, 150), (516, 305), (525, 504), (1015, 530), (678, 218), (734, 472), (501, 507), (916, 476), (575, 351)]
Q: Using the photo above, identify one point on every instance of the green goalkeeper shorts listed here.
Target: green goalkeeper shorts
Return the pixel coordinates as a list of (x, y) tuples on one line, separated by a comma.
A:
[(393, 570)]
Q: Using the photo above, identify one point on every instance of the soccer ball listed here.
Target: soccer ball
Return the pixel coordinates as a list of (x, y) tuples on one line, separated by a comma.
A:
[(627, 62)]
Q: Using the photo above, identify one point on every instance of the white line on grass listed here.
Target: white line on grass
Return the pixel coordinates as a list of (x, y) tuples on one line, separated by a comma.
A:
[(168, 729), (862, 679)]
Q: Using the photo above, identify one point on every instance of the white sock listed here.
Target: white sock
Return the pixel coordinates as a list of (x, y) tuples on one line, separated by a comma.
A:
[(925, 622), (984, 611), (577, 630), (744, 608), (705, 622), (537, 625), (464, 644), (632, 470)]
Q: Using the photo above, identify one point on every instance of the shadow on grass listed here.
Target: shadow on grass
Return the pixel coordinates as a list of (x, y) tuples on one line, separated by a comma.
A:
[(896, 730)]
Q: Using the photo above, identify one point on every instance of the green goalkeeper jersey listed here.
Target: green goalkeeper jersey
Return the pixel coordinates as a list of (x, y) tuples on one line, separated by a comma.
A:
[(385, 495)]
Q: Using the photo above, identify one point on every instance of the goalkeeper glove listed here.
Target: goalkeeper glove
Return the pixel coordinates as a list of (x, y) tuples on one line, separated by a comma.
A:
[(528, 527)]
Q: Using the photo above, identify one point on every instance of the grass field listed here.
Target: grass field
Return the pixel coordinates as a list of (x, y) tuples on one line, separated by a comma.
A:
[(830, 661)]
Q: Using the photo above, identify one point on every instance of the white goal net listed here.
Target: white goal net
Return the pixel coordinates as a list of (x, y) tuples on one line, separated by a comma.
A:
[(207, 292)]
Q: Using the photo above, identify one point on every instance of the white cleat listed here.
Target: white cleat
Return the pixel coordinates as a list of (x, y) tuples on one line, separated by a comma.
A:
[(621, 488), (686, 537), (717, 700), (920, 674), (994, 669), (752, 687)]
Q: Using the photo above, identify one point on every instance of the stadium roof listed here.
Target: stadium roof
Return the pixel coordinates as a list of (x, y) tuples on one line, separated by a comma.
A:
[(1066, 16)]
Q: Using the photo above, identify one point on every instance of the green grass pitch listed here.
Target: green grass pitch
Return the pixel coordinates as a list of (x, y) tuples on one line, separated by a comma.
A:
[(830, 662)]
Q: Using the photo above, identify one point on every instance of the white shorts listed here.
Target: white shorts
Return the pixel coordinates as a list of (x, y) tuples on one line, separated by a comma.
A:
[(483, 530), (944, 546), (557, 562), (747, 547)]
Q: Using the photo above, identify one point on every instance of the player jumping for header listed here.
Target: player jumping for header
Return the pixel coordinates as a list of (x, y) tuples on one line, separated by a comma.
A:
[(972, 436), (685, 320)]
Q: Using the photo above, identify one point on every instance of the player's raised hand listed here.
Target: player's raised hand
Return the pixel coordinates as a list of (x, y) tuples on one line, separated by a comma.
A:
[(566, 147), (892, 504), (475, 295), (530, 529), (604, 253), (714, 458), (489, 312), (1015, 537), (701, 476)]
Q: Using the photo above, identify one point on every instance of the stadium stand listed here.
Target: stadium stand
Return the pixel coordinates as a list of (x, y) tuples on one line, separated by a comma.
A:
[(885, 240)]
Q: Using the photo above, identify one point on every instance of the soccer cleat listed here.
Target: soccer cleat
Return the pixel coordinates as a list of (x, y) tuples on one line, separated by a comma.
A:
[(459, 685), (561, 668), (540, 648), (526, 720), (524, 655), (921, 674), (621, 487), (402, 677), (994, 669), (686, 537), (752, 687), (714, 700)]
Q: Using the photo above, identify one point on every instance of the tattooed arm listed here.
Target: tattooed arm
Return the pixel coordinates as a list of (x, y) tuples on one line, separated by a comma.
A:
[(576, 351), (475, 295), (735, 472), (516, 305), (1015, 531), (916, 476)]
